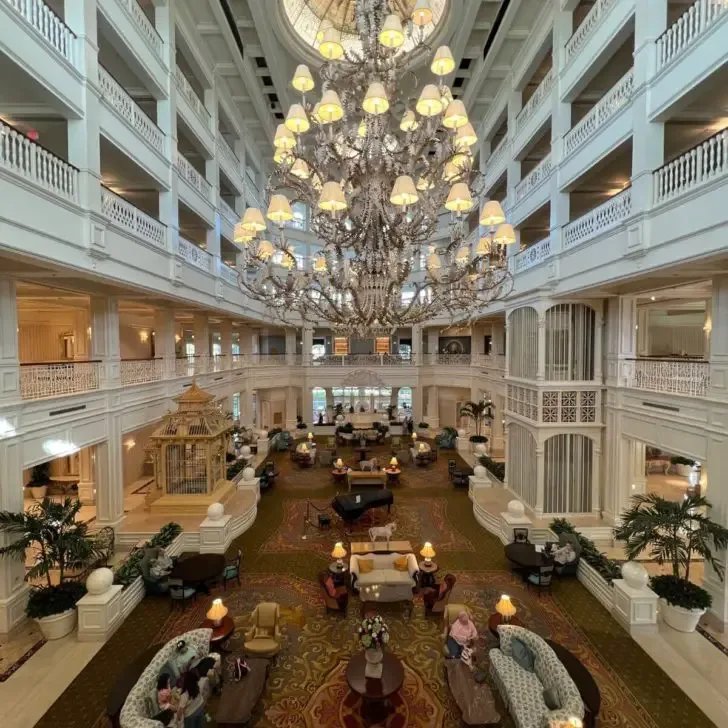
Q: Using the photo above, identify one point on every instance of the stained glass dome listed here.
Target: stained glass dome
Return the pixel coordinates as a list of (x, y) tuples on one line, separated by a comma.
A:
[(307, 16)]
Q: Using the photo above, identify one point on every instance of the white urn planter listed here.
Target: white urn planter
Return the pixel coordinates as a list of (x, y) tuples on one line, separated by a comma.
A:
[(373, 668), (683, 470), (39, 491), (679, 618), (248, 475), (479, 448), (58, 625)]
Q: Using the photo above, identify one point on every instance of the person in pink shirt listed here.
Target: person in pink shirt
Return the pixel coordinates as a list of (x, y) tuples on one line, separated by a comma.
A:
[(462, 633)]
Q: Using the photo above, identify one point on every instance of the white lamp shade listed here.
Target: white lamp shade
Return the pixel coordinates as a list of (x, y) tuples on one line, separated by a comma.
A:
[(427, 551), (375, 101), (310, 436), (253, 220), (404, 192), (330, 108), (409, 121), (339, 552), (265, 250), (451, 172), (443, 62), (302, 79), (241, 235), (456, 115), (505, 607), (282, 156), (394, 462), (339, 463), (217, 611), (422, 13), (425, 183), (465, 137), (433, 263), (284, 138), (300, 169), (297, 121), (463, 255), (414, 436), (459, 199), (483, 246), (330, 47), (462, 160), (332, 197), (392, 35), (492, 214), (279, 209), (429, 103), (505, 235)]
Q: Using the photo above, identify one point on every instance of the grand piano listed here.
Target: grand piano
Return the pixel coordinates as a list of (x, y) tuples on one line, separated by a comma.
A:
[(351, 506)]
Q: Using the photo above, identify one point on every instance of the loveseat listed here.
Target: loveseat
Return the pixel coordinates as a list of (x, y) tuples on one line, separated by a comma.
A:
[(523, 690), (140, 704), (384, 583)]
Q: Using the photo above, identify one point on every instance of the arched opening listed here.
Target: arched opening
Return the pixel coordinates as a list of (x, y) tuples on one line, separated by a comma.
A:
[(568, 474), (522, 466), (523, 343)]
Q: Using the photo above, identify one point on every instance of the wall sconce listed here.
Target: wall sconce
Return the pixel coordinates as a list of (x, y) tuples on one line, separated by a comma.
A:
[(177, 338), (129, 444), (144, 336)]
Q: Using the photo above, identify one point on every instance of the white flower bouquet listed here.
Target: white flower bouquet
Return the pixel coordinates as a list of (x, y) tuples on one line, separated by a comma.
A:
[(373, 633)]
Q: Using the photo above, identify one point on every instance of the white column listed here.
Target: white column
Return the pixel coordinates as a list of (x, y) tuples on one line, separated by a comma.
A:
[(541, 354), (433, 408), (717, 465), (540, 475), (110, 482), (637, 462), (165, 344), (719, 343), (621, 338), (80, 335), (291, 408), (105, 344), (307, 336), (417, 405), (307, 405), (87, 474), (643, 331), (201, 328), (9, 356), (417, 344), (598, 338), (226, 342), (498, 421), (246, 407), (433, 344), (707, 328), (212, 175), (513, 170), (291, 346)]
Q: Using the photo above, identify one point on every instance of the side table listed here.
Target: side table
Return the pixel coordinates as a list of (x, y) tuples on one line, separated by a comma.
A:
[(495, 620), (220, 633), (427, 573), (338, 573)]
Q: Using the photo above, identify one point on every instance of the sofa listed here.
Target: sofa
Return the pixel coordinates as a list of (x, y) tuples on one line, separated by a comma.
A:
[(366, 477), (140, 704), (384, 583), (523, 691)]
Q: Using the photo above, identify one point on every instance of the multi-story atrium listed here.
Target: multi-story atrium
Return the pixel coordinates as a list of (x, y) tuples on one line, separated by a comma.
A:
[(313, 313)]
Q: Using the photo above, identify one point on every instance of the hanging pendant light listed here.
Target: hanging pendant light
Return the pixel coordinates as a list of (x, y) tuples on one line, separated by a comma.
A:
[(404, 192), (279, 210), (443, 62), (332, 198), (392, 35), (456, 115), (409, 121), (504, 235), (375, 101), (297, 121), (265, 250), (429, 103), (330, 47), (459, 200), (300, 169), (319, 264), (422, 13), (483, 246), (330, 108), (492, 214), (282, 156), (302, 79), (284, 138), (253, 220), (465, 137), (241, 235)]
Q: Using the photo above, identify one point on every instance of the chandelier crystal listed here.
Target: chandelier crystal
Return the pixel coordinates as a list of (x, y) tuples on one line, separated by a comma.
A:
[(355, 156)]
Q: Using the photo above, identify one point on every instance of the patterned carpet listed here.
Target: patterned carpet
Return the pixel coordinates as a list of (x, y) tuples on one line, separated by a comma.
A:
[(308, 687)]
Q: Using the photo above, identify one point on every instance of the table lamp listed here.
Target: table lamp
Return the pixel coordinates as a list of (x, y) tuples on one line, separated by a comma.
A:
[(338, 553), (393, 463), (428, 552), (575, 723), (217, 612), (414, 437), (310, 436), (422, 447), (505, 608), (304, 448), (339, 464)]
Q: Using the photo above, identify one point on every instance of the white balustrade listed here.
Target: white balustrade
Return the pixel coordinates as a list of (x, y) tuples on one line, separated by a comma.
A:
[(532, 256), (39, 381), (591, 22), (228, 274), (190, 175), (144, 25), (189, 94), (140, 371), (23, 157), (672, 376), (227, 152), (601, 219), (454, 359), (348, 360), (227, 212), (619, 96), (692, 24), (48, 25), (497, 157), (268, 360), (534, 178), (252, 197), (699, 165), (194, 255), (115, 96), (187, 366), (126, 216), (238, 361), (540, 95)]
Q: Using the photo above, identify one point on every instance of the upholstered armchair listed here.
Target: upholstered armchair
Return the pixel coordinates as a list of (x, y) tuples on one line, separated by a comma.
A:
[(264, 637), (336, 598), (570, 568), (449, 615), (436, 599)]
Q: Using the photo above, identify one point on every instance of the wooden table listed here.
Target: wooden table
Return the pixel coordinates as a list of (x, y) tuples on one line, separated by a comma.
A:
[(238, 699), (338, 573), (363, 452), (525, 556), (221, 633), (427, 573), (495, 620), (339, 476), (199, 569), (474, 699), (375, 693), (393, 475), (381, 547)]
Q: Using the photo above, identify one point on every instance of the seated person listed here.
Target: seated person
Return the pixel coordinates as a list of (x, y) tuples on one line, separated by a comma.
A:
[(563, 554), (167, 698), (462, 633), (209, 669), (191, 709)]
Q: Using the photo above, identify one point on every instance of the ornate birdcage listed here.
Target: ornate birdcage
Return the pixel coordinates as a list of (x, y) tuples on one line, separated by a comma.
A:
[(188, 452)]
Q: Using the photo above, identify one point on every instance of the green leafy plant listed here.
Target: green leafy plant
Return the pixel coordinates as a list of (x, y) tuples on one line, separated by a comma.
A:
[(447, 438), (234, 469), (45, 601), (300, 424), (423, 426), (680, 460), (480, 412), (608, 568), (275, 431), (496, 468), (40, 475), (680, 592), (130, 569), (338, 409), (478, 439)]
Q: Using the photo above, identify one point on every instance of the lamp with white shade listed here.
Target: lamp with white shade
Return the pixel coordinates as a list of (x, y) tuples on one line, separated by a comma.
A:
[(505, 608), (427, 552), (217, 612), (339, 553)]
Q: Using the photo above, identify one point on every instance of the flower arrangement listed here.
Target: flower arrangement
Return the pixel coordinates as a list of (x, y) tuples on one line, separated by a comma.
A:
[(373, 633)]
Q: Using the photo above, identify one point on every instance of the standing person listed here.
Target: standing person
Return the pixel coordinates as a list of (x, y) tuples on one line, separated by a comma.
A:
[(191, 709)]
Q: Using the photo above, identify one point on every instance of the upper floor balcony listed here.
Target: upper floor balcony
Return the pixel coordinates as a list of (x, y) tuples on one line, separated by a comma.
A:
[(690, 377)]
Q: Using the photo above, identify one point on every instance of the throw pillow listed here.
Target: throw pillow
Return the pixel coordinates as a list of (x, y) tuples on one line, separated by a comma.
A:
[(330, 588), (400, 564), (366, 566), (551, 698), (521, 654)]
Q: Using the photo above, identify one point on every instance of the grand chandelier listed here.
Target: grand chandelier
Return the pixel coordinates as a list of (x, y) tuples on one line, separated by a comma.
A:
[(377, 167)]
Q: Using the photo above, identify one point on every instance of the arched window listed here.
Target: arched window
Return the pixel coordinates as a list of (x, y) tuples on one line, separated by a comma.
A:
[(523, 343), (522, 463), (404, 398), (570, 342), (568, 474), (319, 403)]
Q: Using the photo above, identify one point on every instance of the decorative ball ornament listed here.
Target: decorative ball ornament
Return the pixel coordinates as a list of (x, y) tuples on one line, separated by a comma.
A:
[(462, 433), (245, 450), (480, 448), (479, 472), (248, 474), (215, 511), (635, 575), (99, 581), (516, 509)]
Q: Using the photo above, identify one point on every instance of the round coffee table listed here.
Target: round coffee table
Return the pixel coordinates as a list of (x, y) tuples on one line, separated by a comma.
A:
[(338, 573), (339, 476), (393, 475), (525, 556), (221, 633), (199, 569), (375, 693), (495, 620), (363, 452), (427, 573)]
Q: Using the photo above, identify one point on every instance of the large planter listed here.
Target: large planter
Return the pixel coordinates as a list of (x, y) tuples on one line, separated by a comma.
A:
[(39, 491), (373, 668), (58, 625), (683, 470), (679, 618)]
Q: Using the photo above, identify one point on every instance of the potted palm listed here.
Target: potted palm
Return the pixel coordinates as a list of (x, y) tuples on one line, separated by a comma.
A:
[(59, 543), (39, 479), (673, 532), (682, 465), (480, 413)]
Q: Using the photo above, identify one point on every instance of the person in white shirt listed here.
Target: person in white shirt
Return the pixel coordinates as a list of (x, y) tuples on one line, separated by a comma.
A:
[(564, 554)]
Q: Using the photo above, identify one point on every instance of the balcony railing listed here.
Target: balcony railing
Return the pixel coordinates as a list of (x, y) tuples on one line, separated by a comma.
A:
[(607, 107), (538, 97), (267, 360), (190, 175), (130, 218), (119, 100), (601, 219), (144, 25), (534, 178), (30, 160), (194, 255), (532, 256), (227, 152), (40, 381), (48, 25), (693, 23), (140, 371), (227, 212), (671, 376), (495, 160), (454, 359), (251, 193), (351, 360), (228, 274), (185, 88), (591, 22), (699, 165)]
